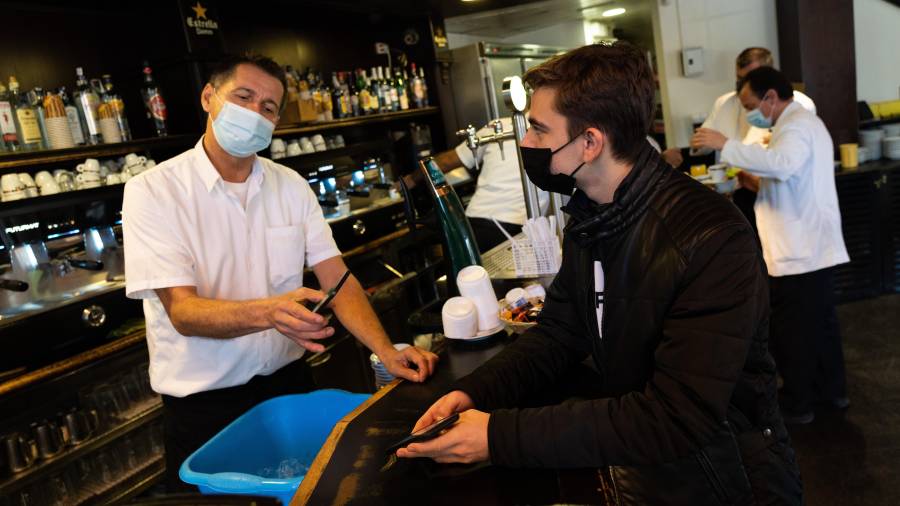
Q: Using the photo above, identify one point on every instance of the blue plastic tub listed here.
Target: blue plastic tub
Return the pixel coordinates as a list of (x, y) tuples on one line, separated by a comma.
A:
[(287, 427)]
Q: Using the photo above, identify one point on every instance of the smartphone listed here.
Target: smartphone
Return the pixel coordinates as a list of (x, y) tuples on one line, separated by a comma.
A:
[(317, 307), (430, 432)]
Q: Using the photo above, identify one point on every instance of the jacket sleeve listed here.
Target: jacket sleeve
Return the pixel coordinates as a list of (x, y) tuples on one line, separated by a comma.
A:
[(538, 358), (705, 340)]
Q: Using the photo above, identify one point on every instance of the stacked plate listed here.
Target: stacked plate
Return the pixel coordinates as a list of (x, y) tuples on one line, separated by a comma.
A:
[(382, 376), (892, 147), (871, 140), (892, 130)]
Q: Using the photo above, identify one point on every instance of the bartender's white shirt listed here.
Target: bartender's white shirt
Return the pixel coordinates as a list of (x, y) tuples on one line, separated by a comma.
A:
[(498, 192), (796, 208), (183, 227), (729, 117)]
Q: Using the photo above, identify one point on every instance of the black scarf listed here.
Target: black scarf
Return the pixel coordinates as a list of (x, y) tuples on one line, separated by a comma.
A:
[(591, 221)]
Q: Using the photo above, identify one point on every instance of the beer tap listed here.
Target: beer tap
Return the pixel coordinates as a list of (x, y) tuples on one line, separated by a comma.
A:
[(474, 141)]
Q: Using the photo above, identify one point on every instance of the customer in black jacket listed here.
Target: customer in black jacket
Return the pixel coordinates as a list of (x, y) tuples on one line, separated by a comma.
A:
[(662, 283)]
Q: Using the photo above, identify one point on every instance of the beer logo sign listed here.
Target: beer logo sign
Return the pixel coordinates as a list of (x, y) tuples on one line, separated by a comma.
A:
[(200, 23)]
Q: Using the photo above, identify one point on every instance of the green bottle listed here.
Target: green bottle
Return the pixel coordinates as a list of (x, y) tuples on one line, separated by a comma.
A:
[(461, 247)]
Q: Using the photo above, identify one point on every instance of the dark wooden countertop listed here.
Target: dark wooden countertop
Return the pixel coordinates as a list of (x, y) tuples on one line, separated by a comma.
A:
[(348, 468)]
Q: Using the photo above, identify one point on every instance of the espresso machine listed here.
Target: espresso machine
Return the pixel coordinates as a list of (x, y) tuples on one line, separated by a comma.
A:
[(62, 288)]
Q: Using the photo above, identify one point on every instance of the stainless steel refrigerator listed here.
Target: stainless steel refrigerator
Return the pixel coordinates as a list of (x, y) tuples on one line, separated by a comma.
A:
[(474, 78)]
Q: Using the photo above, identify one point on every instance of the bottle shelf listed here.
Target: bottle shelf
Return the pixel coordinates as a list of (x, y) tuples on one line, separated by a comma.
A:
[(354, 121), (14, 161)]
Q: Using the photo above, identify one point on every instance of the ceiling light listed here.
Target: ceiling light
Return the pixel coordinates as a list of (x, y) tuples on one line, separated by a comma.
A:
[(613, 12)]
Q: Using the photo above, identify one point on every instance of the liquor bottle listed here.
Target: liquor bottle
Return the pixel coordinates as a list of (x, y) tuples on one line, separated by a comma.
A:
[(117, 105), (87, 101), (392, 86), (327, 102), (376, 89), (424, 86), (154, 103), (385, 84), (418, 93), (72, 117), (26, 118), (10, 136), (363, 89), (35, 98), (401, 90), (355, 108), (337, 97)]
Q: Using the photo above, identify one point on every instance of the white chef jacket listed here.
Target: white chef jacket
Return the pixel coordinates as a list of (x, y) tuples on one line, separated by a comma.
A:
[(729, 117), (183, 227), (796, 208), (498, 192)]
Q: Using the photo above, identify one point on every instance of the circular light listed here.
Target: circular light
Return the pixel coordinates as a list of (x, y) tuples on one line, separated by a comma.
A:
[(514, 93), (613, 12)]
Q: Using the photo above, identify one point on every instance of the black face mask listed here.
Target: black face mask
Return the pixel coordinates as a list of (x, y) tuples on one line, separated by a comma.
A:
[(537, 166)]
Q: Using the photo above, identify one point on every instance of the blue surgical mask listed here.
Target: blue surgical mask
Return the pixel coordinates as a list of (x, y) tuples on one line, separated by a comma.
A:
[(758, 119), (240, 131)]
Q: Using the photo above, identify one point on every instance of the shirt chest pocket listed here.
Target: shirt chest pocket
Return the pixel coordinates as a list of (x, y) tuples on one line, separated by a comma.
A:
[(285, 249)]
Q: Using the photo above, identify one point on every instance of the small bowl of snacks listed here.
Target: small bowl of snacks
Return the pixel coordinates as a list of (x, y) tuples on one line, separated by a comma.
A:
[(520, 308)]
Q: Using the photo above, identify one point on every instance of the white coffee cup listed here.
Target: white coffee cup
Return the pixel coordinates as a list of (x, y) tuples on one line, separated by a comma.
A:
[(277, 146), (306, 145), (149, 164), (43, 177), (475, 285), (460, 318), (49, 188), (65, 179), (27, 180), (11, 183), (89, 165), (134, 159), (293, 148), (113, 178), (717, 172), (87, 180), (9, 196), (318, 139)]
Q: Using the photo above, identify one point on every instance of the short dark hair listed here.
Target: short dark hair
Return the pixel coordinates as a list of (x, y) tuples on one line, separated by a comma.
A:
[(609, 86), (225, 68), (763, 79), (760, 55)]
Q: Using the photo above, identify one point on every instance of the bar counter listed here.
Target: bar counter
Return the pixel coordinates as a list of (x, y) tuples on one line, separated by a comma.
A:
[(348, 468)]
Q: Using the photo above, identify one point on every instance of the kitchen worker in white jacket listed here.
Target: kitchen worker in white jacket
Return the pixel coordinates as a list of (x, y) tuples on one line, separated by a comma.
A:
[(729, 117), (799, 226)]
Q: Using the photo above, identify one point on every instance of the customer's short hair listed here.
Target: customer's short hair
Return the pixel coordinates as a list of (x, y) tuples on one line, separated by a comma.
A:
[(764, 79), (759, 55), (225, 68), (608, 86)]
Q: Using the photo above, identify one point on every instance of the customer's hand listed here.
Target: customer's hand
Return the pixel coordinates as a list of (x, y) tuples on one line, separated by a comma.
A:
[(465, 442), (708, 138), (400, 363), (456, 401), (287, 315), (673, 157)]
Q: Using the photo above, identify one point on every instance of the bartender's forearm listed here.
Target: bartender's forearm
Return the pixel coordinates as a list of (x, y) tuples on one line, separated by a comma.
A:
[(193, 315), (353, 309)]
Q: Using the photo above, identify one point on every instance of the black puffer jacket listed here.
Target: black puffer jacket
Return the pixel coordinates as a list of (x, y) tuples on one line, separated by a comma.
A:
[(685, 375)]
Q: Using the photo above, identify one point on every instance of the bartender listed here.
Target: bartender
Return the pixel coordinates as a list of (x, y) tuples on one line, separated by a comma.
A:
[(730, 118), (498, 193), (216, 240), (800, 229)]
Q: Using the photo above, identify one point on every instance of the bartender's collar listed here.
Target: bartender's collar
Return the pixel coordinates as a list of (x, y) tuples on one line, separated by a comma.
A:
[(210, 176)]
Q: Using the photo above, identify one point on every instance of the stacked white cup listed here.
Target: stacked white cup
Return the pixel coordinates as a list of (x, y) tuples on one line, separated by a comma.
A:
[(475, 287)]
